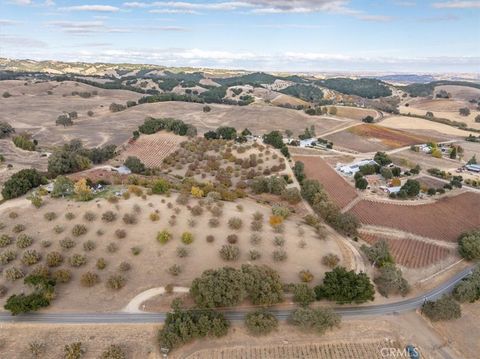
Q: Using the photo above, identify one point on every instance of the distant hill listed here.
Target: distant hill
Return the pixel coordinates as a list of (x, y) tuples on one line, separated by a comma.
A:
[(406, 78)]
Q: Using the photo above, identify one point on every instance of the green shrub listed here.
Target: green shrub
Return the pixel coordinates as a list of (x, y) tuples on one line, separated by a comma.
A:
[(67, 243), (135, 250), (79, 230), (50, 216), (7, 256), (124, 267), (255, 239), (89, 216), (229, 252), (58, 229), (62, 275), (317, 320), (12, 274), (235, 223), (101, 263), (77, 260), (187, 238), (164, 236), (445, 308), (69, 216), (112, 247), (5, 240), (303, 294), (113, 352), (120, 233), (109, 216), (116, 282), (260, 322), (254, 255), (281, 211), (18, 228), (24, 241), (89, 245), (330, 260), (54, 259), (129, 218), (89, 279), (213, 222), (174, 270), (279, 255)]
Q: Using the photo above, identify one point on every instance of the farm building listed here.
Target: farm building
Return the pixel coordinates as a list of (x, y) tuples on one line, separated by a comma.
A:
[(391, 190), (123, 170), (473, 168), (353, 168)]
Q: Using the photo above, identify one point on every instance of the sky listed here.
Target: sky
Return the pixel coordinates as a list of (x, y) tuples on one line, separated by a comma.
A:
[(411, 36)]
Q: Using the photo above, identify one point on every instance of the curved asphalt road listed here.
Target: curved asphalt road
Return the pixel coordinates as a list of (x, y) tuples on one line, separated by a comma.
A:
[(234, 315)]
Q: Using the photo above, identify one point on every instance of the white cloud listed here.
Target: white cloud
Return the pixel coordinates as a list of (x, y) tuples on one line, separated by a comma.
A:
[(21, 42), (96, 8), (21, 2), (174, 11), (258, 7), (6, 22), (85, 27), (456, 4)]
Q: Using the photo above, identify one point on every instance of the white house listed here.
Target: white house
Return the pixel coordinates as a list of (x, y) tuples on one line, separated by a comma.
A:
[(123, 170), (353, 168), (310, 142)]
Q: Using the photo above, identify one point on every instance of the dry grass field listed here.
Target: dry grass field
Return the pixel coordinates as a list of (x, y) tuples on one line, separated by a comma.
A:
[(410, 158), (462, 333), (336, 186), (32, 109), (444, 220), (389, 137), (446, 108), (120, 241), (138, 340), (18, 159), (283, 99), (151, 149), (424, 126), (460, 92), (355, 113)]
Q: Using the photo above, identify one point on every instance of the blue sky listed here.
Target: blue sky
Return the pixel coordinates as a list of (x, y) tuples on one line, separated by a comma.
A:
[(276, 35)]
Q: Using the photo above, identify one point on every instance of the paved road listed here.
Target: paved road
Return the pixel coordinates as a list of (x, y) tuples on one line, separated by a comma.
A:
[(234, 315)]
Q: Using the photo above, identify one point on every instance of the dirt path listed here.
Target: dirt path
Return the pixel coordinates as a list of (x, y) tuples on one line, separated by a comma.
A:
[(134, 305)]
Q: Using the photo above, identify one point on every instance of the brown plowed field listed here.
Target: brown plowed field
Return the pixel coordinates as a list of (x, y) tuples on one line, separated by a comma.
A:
[(410, 252), (387, 136), (152, 149), (337, 188), (445, 219)]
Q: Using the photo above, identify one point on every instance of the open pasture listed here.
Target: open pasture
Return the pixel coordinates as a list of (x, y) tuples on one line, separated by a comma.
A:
[(444, 220)]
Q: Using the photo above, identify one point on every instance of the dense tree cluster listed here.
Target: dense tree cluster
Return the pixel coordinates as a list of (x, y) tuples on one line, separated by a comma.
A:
[(152, 125), (345, 286), (22, 182), (305, 92), (275, 139), (314, 193), (43, 289), (182, 326), (226, 287), (468, 290), (368, 88), (73, 157), (318, 320), (469, 245), (445, 308)]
